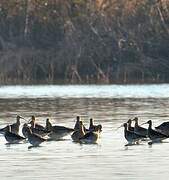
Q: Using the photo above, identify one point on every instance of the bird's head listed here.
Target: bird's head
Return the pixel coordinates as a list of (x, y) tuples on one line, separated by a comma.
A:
[(135, 119)]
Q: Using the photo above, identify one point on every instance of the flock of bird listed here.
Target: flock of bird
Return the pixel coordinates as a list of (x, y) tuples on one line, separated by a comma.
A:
[(135, 134), (36, 134)]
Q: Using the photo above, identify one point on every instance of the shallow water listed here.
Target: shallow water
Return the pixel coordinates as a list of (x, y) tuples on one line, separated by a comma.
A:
[(109, 159), (86, 91)]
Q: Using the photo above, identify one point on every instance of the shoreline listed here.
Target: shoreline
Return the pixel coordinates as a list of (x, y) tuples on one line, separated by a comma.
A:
[(32, 83)]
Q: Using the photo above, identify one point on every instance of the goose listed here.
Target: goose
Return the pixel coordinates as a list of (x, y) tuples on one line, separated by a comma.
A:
[(12, 137), (14, 127), (57, 132)]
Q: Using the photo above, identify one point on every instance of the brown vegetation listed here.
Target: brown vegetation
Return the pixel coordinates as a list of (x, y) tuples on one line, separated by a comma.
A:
[(84, 41)]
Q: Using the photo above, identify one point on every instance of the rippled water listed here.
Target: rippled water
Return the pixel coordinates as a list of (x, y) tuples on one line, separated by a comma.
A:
[(108, 105)]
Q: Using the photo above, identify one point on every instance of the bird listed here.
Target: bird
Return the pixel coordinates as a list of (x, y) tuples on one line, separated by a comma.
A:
[(90, 137), (25, 130), (35, 125), (93, 127), (163, 128), (12, 137), (48, 125), (37, 128), (76, 127), (138, 129), (57, 132), (154, 136), (14, 127), (40, 131), (79, 132), (130, 128), (79, 135), (130, 136), (34, 139)]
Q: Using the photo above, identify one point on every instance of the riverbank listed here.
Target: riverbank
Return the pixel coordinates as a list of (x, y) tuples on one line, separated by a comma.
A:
[(84, 42)]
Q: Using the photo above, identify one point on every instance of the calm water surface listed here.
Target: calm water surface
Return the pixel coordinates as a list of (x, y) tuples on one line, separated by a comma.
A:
[(108, 105)]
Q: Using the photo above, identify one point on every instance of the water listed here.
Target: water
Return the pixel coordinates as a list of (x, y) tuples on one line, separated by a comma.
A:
[(109, 106), (84, 91)]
